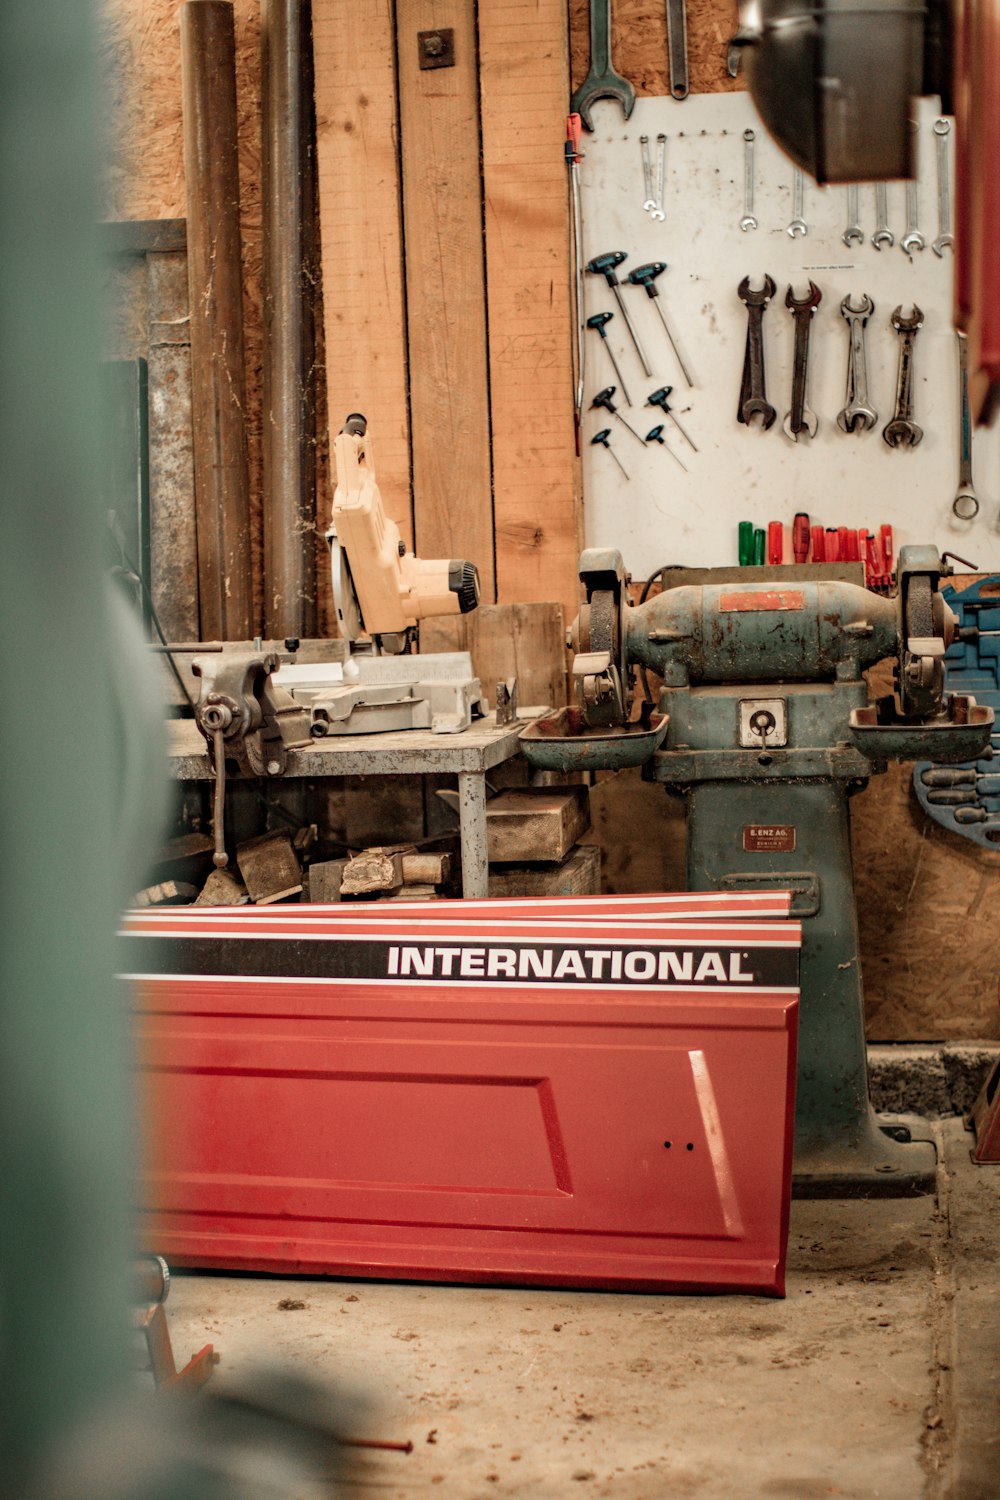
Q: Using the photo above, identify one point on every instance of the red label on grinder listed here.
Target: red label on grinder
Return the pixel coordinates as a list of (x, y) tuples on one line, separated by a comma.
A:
[(762, 599), (764, 838)]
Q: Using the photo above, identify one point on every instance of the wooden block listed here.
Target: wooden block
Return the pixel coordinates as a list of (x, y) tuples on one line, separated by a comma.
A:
[(222, 888), (269, 867), (324, 880), (357, 143), (414, 893), (445, 289), (426, 869), (526, 641), (578, 875), (372, 870), (186, 858), (167, 893), (536, 824), (524, 65)]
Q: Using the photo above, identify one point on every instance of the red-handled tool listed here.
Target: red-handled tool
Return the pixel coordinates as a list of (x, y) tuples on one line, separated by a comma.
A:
[(775, 543), (800, 537), (873, 562), (885, 541), (818, 544), (832, 544), (844, 539)]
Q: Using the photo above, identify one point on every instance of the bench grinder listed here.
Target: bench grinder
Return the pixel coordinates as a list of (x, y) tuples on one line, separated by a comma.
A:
[(766, 730)]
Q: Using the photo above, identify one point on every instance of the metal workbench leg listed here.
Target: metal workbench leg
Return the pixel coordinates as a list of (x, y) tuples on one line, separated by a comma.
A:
[(472, 825)]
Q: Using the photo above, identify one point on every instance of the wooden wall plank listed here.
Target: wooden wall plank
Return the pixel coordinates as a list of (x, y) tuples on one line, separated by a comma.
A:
[(360, 233), (445, 289), (524, 68)]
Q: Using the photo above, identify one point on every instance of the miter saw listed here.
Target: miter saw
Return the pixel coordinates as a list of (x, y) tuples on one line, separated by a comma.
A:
[(764, 727), (255, 705)]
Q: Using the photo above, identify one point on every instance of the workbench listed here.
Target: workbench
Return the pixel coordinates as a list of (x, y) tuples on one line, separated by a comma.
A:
[(413, 752)]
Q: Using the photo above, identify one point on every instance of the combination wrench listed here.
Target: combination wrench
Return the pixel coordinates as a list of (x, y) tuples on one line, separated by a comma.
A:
[(853, 232), (902, 430), (661, 176), (883, 234), (797, 224), (912, 239), (966, 502), (857, 415), (800, 418), (748, 220), (647, 174), (753, 400), (942, 129)]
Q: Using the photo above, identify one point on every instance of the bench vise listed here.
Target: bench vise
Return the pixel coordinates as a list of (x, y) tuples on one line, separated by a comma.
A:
[(765, 729)]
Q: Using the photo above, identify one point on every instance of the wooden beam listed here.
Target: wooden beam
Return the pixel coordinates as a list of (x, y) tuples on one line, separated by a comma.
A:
[(445, 289), (524, 71), (357, 143)]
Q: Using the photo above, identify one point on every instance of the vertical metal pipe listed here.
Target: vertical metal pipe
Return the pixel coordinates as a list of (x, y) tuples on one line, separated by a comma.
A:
[(288, 174), (222, 501)]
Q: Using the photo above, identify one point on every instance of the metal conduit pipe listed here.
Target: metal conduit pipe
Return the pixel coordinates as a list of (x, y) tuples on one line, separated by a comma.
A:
[(289, 218), (215, 279)]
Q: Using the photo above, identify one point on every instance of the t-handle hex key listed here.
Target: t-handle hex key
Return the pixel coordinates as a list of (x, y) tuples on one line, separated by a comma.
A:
[(598, 322), (603, 401), (645, 276), (604, 438), (659, 398), (655, 435), (604, 265)]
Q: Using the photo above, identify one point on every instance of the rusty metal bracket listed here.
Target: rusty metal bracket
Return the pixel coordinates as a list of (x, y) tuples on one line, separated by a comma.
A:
[(436, 49)]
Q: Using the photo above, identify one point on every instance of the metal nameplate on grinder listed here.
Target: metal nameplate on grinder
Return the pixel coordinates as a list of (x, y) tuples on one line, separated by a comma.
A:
[(739, 601), (769, 838)]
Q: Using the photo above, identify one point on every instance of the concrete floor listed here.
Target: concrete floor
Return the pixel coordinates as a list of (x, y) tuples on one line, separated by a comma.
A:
[(878, 1378)]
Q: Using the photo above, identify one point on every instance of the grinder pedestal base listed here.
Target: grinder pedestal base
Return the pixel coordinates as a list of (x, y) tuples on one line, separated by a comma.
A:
[(790, 830)]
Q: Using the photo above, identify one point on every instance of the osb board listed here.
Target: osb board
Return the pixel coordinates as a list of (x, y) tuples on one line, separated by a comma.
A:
[(357, 145), (639, 44), (536, 484)]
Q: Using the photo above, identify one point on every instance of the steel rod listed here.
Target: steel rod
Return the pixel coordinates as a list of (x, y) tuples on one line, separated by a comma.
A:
[(289, 217), (222, 501)]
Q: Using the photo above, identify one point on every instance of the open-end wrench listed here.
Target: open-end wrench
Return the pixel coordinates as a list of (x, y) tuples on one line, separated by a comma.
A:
[(645, 276), (598, 322), (602, 82), (883, 234), (912, 239), (857, 415), (853, 231), (677, 48), (944, 235), (647, 174), (748, 220), (661, 176), (753, 400), (797, 223), (605, 265), (800, 418), (966, 502), (902, 430)]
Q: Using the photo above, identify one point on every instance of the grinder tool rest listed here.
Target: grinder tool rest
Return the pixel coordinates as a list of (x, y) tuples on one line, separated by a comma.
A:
[(766, 731)]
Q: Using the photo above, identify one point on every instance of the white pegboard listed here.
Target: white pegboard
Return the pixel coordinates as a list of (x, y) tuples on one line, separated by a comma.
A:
[(662, 515)]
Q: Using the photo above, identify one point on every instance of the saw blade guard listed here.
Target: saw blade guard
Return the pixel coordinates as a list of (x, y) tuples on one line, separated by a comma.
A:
[(380, 588)]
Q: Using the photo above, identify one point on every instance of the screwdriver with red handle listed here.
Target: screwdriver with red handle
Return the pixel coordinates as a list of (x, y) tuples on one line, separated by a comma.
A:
[(775, 543), (800, 537), (819, 544)]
